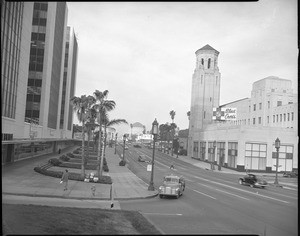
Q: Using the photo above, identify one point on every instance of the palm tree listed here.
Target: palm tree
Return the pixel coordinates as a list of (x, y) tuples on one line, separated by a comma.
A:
[(172, 114), (80, 105), (102, 106)]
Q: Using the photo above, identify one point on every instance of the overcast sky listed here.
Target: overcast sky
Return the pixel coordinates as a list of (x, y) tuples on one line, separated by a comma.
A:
[(143, 53)]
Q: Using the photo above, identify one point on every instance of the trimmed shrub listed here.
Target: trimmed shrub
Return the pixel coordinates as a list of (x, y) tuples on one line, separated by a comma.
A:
[(64, 158), (72, 176), (76, 151), (105, 168), (182, 152), (54, 161), (122, 163), (71, 155)]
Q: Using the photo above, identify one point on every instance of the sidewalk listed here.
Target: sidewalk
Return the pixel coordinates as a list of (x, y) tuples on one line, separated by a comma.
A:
[(20, 179)]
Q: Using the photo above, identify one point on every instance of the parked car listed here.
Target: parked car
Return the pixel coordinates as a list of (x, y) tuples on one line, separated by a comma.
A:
[(142, 158), (253, 181), (172, 186), (290, 174), (137, 146)]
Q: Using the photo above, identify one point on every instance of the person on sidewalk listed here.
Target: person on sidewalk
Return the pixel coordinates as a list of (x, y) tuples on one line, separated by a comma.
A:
[(65, 178)]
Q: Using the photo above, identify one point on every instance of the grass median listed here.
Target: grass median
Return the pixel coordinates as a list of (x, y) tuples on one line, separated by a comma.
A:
[(36, 219)]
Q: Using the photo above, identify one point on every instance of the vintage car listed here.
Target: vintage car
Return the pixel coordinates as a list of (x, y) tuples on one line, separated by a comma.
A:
[(290, 174), (172, 186), (253, 181), (142, 158)]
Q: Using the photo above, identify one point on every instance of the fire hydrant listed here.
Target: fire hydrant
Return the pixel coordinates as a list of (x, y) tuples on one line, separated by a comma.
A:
[(93, 188)]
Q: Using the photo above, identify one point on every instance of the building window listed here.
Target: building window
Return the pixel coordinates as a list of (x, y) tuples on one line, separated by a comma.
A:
[(254, 121), (288, 117), (248, 121), (254, 107), (272, 90), (232, 154), (202, 150), (255, 156), (273, 118), (268, 104), (211, 152), (249, 108), (268, 120), (284, 117), (285, 157), (259, 120), (279, 103), (276, 118), (208, 65), (280, 117), (202, 61), (290, 103), (260, 106), (195, 150), (292, 118), (210, 99)]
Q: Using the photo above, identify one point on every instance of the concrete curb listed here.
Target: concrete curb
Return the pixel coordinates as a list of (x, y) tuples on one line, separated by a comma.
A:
[(78, 198)]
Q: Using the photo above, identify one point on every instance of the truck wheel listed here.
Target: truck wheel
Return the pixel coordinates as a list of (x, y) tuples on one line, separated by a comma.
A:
[(240, 182), (178, 195)]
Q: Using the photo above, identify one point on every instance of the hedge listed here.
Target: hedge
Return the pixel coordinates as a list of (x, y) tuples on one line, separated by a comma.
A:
[(72, 176)]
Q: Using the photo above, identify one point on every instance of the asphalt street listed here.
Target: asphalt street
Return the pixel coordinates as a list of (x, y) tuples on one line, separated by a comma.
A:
[(214, 202)]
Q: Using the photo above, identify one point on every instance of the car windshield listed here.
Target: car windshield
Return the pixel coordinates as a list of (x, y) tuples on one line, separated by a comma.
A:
[(172, 180)]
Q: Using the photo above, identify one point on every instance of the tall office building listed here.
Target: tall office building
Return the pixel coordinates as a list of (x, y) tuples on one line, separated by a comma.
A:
[(68, 85), (35, 94)]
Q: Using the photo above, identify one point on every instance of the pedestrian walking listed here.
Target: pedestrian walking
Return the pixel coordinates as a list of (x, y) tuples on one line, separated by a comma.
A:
[(65, 178)]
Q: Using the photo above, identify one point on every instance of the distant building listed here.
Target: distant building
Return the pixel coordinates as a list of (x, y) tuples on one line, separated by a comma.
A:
[(136, 129), (247, 141)]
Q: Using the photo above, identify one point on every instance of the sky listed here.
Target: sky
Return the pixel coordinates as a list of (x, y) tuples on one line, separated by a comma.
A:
[(143, 53)]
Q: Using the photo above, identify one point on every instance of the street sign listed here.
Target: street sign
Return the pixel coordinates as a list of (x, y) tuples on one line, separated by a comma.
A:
[(149, 167)]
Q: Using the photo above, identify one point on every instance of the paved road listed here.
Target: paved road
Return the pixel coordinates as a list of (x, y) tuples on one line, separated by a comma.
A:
[(214, 203)]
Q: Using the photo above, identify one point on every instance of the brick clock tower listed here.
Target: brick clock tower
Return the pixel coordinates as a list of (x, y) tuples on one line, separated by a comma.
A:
[(205, 91)]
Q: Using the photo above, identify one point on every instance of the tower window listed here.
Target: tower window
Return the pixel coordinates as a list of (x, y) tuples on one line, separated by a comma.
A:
[(208, 65), (254, 121), (202, 61), (254, 107), (268, 104), (210, 99)]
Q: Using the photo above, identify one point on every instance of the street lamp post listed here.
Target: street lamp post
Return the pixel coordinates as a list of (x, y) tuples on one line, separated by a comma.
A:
[(154, 133), (277, 146), (212, 164), (116, 143), (124, 140)]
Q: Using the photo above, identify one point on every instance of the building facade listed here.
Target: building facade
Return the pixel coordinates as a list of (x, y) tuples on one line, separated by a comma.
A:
[(34, 38), (248, 141)]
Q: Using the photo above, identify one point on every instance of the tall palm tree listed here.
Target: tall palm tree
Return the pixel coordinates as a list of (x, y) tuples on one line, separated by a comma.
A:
[(80, 105), (102, 106), (172, 114)]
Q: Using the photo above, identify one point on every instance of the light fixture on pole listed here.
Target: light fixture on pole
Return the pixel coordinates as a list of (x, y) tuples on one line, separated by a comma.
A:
[(154, 133), (214, 146), (124, 140), (116, 143), (277, 146)]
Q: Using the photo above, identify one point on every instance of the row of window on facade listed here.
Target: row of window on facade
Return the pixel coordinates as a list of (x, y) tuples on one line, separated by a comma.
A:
[(279, 103), (255, 154), (276, 118)]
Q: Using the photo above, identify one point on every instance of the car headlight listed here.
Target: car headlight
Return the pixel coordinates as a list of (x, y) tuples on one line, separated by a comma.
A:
[(161, 188), (177, 189)]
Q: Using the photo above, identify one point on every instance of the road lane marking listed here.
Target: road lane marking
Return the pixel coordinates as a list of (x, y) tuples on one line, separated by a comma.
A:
[(162, 214), (224, 191), (242, 190), (203, 194)]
